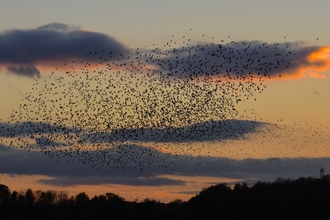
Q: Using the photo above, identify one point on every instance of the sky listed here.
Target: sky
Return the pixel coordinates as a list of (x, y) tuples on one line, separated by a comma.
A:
[(159, 99)]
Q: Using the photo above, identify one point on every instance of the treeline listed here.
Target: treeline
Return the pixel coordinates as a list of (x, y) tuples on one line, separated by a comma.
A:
[(304, 198), (58, 205)]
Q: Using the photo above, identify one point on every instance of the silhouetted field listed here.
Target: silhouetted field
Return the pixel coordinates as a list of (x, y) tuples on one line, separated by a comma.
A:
[(303, 198)]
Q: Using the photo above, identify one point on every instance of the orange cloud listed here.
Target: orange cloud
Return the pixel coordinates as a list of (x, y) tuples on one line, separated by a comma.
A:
[(320, 62), (314, 64)]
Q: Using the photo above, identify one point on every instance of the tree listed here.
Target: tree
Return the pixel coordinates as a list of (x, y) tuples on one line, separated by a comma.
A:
[(82, 198), (237, 187), (21, 197), (46, 198), (114, 198), (176, 201), (4, 193), (62, 196), (29, 197), (244, 185), (102, 198), (14, 197)]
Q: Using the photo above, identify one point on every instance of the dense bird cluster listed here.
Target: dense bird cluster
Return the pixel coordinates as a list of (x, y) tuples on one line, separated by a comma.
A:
[(100, 110)]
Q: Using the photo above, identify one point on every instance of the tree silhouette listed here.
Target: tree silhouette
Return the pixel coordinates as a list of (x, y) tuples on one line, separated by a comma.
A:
[(82, 198), (46, 198), (237, 186), (304, 198), (14, 197), (4, 193), (29, 197)]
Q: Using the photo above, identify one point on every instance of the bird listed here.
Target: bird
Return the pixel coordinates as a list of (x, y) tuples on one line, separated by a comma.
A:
[(109, 108)]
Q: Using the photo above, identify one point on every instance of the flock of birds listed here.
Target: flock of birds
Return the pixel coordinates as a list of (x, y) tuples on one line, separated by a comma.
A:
[(104, 111)]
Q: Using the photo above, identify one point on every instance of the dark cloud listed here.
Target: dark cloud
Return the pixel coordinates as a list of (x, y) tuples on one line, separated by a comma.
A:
[(71, 181), (3, 148), (203, 131), (48, 136), (238, 60), (43, 142), (192, 192), (106, 153), (54, 42), (68, 173), (19, 162), (29, 71), (36, 135), (31, 128)]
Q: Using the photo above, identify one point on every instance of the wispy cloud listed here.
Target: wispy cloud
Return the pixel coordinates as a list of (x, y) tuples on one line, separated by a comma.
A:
[(314, 91), (21, 70)]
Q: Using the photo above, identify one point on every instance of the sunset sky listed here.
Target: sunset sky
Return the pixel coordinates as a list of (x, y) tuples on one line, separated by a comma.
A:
[(284, 131)]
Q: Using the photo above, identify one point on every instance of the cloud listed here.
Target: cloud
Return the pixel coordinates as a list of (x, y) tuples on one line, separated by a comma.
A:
[(199, 132), (20, 162), (23, 50), (315, 92), (71, 181), (192, 192), (46, 136), (43, 142), (29, 71), (3, 148), (139, 165), (31, 128), (58, 27), (36, 135), (62, 143), (245, 60)]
